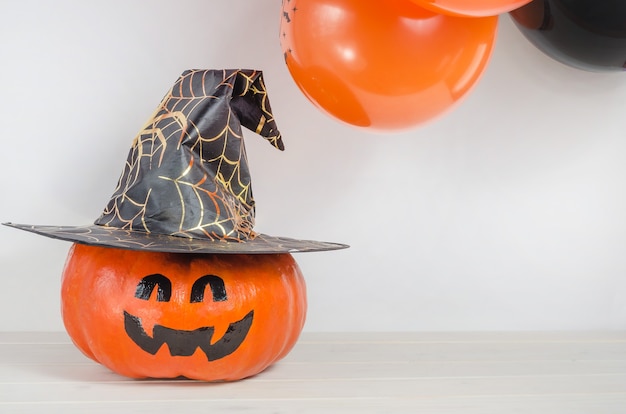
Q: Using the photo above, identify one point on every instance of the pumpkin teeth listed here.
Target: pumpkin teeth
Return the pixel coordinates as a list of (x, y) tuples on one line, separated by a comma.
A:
[(186, 342), (220, 329)]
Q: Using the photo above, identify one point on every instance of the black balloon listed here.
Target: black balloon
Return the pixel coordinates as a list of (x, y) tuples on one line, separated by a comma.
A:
[(585, 34)]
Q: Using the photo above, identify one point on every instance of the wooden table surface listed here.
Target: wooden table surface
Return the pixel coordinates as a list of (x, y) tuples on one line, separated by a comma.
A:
[(503, 373)]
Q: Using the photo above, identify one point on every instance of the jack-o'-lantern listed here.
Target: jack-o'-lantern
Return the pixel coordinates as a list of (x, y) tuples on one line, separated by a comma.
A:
[(171, 280), (166, 315)]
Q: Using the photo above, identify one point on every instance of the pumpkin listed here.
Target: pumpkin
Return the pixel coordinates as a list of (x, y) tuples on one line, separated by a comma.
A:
[(211, 317)]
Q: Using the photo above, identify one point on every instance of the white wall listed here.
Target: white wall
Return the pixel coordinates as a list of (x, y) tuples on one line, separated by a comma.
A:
[(505, 214)]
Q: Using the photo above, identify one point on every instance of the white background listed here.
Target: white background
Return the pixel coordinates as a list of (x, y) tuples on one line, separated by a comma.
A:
[(507, 213)]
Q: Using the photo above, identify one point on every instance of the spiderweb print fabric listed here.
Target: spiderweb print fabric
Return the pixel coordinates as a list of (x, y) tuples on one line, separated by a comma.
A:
[(187, 174)]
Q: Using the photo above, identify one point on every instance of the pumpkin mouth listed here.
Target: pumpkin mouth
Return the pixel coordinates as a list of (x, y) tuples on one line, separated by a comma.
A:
[(183, 342)]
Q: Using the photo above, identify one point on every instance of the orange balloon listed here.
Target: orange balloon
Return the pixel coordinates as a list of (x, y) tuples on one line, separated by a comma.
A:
[(473, 8), (383, 67)]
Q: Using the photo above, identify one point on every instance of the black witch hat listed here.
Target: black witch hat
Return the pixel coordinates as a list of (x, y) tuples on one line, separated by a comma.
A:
[(185, 186)]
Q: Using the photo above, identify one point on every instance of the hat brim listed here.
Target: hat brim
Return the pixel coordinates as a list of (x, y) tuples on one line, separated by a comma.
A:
[(96, 235)]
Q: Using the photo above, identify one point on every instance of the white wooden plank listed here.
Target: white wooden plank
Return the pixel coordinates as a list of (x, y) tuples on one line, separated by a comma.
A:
[(319, 371), (353, 352), (456, 351), (259, 389), (284, 371), (548, 373), (550, 404), (55, 353)]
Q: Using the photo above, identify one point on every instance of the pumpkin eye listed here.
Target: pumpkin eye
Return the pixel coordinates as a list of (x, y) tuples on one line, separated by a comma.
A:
[(147, 284), (217, 288)]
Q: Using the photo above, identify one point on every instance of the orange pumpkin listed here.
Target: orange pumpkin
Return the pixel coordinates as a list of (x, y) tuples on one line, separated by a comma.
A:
[(212, 317)]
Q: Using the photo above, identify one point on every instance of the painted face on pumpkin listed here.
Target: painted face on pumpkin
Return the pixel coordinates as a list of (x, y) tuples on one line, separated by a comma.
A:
[(186, 342), (211, 317)]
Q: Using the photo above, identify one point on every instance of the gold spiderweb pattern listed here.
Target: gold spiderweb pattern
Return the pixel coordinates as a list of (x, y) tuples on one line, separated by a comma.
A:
[(187, 173)]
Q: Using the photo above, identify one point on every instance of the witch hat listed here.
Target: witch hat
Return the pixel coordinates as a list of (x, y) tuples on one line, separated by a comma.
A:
[(185, 186)]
